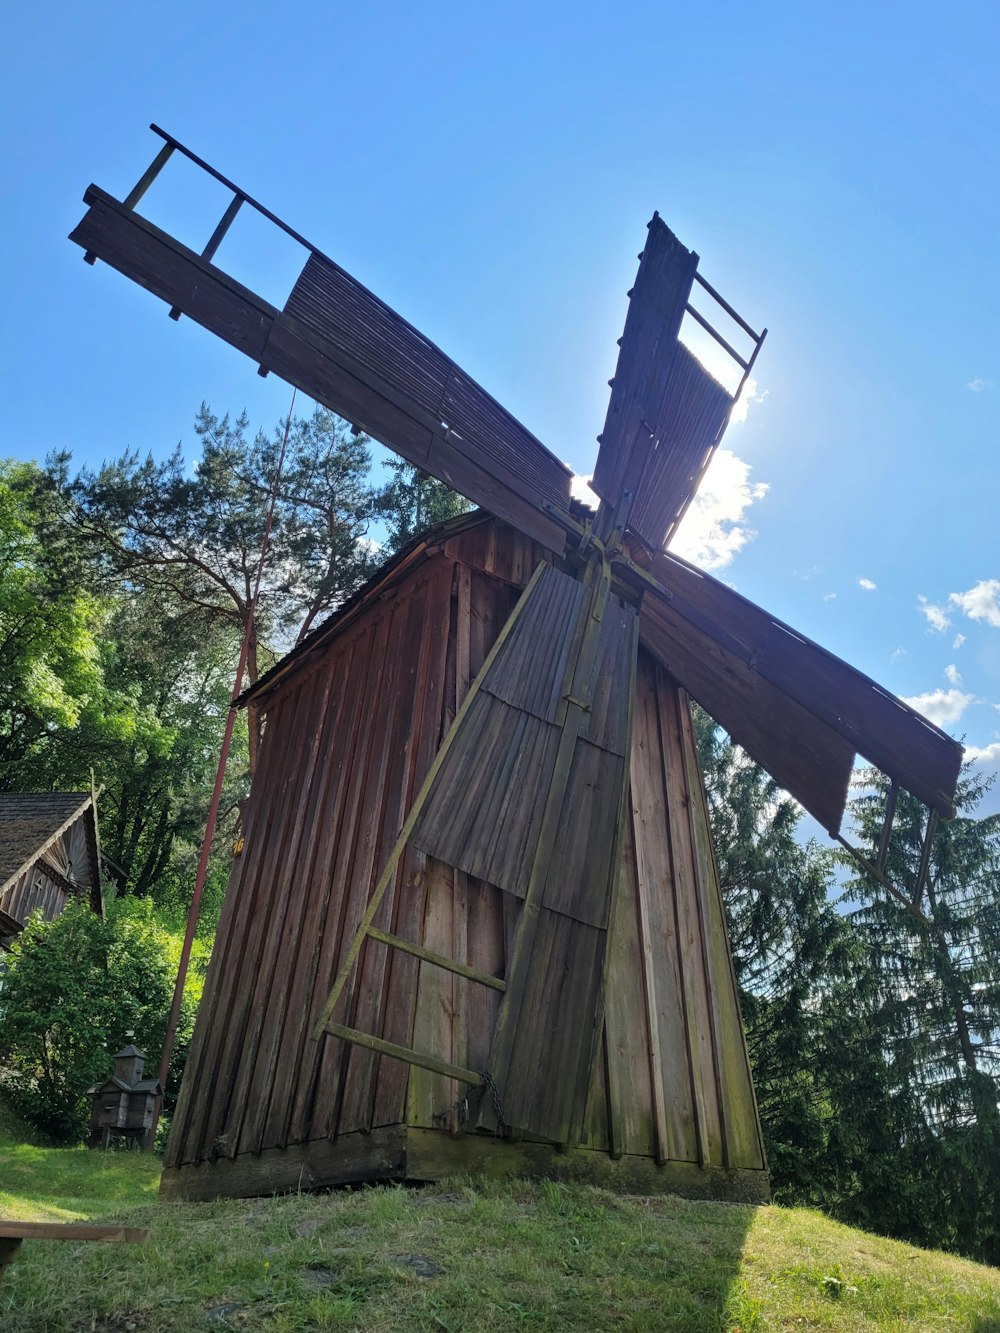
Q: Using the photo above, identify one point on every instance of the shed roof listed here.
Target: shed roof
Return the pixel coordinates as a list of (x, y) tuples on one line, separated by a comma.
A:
[(30, 822)]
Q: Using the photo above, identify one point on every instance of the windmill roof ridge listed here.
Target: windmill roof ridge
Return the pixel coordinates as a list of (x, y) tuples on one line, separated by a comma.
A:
[(416, 549)]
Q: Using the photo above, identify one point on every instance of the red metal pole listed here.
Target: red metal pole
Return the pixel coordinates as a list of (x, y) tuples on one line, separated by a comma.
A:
[(213, 809)]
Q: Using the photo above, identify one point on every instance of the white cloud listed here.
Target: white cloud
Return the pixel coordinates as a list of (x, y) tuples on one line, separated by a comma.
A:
[(957, 641), (750, 395), (829, 596), (941, 707), (953, 675), (896, 654), (981, 602), (983, 754), (979, 385), (867, 585), (579, 488), (713, 529), (937, 617), (721, 367)]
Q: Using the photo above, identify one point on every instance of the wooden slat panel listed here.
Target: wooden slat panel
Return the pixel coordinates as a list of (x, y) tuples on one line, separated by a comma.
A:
[(404, 701), (580, 870), (340, 310), (310, 889), (485, 811), (879, 726), (423, 734), (805, 756), (611, 679), (347, 728), (429, 1093), (529, 673), (317, 1099), (235, 1067), (474, 434), (656, 309), (302, 358), (686, 431), (544, 1084), (351, 1064)]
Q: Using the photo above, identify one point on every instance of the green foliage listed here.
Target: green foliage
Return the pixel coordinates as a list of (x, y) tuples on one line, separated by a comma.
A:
[(872, 1036), (49, 628), (414, 500), (72, 989)]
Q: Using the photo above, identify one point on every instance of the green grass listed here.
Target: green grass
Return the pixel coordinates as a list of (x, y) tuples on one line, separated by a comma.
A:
[(462, 1255)]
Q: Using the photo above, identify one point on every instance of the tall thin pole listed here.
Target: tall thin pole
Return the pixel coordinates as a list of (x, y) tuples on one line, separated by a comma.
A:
[(220, 773)]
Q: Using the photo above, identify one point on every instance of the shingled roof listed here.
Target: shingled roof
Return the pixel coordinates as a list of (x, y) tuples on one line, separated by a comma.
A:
[(31, 822)]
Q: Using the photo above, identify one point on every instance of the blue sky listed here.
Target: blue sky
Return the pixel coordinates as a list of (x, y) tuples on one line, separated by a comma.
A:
[(489, 170)]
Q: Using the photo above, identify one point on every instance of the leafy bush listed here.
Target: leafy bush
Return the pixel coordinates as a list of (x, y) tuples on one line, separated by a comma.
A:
[(72, 989)]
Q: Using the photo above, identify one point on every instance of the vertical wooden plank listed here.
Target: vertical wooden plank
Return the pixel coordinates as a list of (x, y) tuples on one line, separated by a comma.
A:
[(414, 711), (429, 1094), (633, 1062), (486, 952), (672, 1091), (595, 1132), (426, 729), (694, 981), (743, 1140)]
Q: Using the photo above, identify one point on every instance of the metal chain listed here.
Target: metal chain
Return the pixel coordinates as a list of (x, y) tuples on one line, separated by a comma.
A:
[(461, 1107), (488, 1082)]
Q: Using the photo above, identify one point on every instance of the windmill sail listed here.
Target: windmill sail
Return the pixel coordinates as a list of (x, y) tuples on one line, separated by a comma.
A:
[(345, 348), (667, 414), (801, 712)]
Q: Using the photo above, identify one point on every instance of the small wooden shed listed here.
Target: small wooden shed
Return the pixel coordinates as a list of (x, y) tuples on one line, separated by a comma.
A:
[(353, 720), (50, 851), (124, 1105)]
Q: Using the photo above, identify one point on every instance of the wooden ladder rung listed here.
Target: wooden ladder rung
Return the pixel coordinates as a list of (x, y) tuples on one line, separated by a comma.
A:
[(437, 959), (411, 1057)]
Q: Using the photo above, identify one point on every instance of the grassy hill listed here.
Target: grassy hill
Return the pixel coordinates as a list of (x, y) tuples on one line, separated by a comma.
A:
[(462, 1255)]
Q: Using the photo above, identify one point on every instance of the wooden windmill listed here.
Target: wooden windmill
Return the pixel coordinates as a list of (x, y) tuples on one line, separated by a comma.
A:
[(544, 788)]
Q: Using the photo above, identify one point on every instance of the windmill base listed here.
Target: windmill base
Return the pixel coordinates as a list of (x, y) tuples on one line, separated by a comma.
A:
[(415, 1155)]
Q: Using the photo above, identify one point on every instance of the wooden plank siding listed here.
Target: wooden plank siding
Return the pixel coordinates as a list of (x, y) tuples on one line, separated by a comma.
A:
[(33, 891), (350, 734)]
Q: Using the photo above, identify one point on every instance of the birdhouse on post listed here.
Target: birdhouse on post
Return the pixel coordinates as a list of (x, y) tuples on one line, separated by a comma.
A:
[(124, 1104)]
